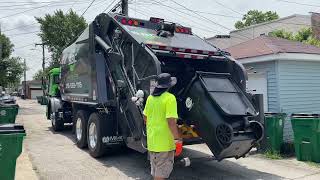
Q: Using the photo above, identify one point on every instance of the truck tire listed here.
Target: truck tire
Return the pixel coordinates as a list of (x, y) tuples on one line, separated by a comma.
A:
[(95, 145), (57, 125), (80, 124)]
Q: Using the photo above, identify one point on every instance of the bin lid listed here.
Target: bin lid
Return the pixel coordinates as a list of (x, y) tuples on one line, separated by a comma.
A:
[(3, 105), (305, 115), (274, 114), (11, 128)]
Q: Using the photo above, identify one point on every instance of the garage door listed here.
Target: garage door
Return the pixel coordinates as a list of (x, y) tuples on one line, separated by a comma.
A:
[(35, 93), (257, 84)]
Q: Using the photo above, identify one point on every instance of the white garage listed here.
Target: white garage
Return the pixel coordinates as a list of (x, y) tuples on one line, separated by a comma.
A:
[(35, 93)]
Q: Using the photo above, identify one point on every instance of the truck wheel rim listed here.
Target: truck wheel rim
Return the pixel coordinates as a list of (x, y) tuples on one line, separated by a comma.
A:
[(79, 129), (92, 135)]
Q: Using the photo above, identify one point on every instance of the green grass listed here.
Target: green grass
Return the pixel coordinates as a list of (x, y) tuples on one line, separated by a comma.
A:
[(273, 155), (314, 164)]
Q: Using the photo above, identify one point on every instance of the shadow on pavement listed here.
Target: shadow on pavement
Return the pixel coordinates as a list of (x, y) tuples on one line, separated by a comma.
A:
[(136, 165)]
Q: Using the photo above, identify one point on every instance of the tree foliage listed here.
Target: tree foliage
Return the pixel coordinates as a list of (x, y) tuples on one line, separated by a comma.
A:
[(255, 17), (6, 46), (38, 75), (305, 35), (11, 70), (60, 30)]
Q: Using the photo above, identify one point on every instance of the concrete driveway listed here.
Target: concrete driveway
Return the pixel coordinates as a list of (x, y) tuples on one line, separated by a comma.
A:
[(55, 156)]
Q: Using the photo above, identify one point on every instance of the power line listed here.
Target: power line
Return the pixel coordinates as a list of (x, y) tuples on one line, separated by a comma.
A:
[(88, 7), (202, 17), (18, 34), (303, 4), (28, 10), (109, 6), (195, 27), (23, 46), (227, 7), (205, 17), (34, 3), (174, 11), (57, 5), (6, 30), (202, 12)]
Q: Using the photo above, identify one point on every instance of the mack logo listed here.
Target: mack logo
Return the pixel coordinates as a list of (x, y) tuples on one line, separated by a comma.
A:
[(112, 139)]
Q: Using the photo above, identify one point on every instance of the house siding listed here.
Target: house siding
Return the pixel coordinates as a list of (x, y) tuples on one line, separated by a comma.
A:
[(299, 90), (268, 68)]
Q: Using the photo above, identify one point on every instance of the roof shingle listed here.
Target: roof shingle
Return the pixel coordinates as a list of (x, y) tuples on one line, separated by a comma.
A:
[(265, 45)]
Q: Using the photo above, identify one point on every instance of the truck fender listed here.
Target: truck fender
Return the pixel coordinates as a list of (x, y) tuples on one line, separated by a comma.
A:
[(56, 104)]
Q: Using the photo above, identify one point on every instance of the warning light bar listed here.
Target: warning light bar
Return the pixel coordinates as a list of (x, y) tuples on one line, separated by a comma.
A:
[(156, 20), (131, 22), (183, 30)]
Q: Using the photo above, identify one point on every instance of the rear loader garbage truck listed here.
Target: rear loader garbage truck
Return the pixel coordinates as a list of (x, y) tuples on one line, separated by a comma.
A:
[(108, 72)]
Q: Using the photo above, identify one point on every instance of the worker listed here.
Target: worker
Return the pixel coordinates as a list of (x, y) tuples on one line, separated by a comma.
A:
[(160, 115)]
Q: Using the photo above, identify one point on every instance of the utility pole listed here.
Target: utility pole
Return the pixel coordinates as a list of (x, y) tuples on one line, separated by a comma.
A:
[(124, 7), (43, 67), (25, 79), (0, 45)]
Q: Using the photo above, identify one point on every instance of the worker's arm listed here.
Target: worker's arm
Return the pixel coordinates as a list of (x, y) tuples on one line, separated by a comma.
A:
[(173, 127), (145, 119)]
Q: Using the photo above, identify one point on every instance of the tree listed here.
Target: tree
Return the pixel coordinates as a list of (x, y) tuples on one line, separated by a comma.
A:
[(255, 17), (305, 35), (60, 30), (11, 70), (39, 74), (6, 46), (282, 34)]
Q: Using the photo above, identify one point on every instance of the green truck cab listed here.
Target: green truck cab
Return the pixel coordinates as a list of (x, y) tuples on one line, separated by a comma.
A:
[(53, 86)]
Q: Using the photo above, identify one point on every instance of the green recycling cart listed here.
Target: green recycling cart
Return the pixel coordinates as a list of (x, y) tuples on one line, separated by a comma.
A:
[(44, 100), (11, 138), (39, 99), (274, 130), (306, 130), (8, 113)]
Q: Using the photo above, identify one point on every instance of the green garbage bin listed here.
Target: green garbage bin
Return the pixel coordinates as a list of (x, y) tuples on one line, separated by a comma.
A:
[(274, 131), (44, 100), (11, 137), (39, 98), (306, 130), (8, 113)]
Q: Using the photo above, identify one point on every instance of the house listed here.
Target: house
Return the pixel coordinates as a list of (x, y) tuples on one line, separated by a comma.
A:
[(292, 23), (286, 72), (33, 88)]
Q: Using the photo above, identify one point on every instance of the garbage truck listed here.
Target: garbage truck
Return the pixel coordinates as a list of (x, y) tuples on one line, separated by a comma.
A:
[(106, 75)]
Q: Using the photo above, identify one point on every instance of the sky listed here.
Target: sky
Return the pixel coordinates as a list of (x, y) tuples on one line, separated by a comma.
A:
[(206, 17)]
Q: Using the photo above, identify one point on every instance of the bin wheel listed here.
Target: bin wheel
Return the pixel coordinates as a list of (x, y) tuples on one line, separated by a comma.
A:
[(224, 133), (95, 144), (57, 125), (80, 126)]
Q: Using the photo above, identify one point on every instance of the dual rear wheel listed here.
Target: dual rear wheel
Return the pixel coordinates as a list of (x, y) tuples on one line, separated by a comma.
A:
[(88, 132)]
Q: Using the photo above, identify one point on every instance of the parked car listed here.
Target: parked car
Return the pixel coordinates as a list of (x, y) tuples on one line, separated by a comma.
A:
[(7, 99)]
